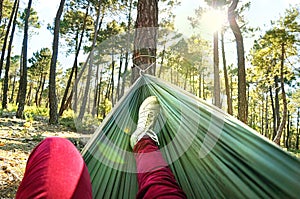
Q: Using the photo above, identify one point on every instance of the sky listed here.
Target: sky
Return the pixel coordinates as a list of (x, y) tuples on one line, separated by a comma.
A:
[(260, 14)]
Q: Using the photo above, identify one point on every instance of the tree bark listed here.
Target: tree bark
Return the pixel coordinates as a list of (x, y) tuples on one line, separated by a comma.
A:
[(7, 66), (23, 79), (242, 97), (52, 77), (227, 89), (284, 100), (145, 41)]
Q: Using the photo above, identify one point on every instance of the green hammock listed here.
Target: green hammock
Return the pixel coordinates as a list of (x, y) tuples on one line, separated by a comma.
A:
[(211, 154)]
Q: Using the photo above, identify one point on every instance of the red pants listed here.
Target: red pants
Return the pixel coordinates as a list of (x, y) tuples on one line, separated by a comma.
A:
[(55, 169), (155, 178)]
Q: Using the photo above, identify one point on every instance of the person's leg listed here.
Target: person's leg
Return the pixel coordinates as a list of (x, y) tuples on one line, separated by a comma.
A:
[(155, 178), (55, 169)]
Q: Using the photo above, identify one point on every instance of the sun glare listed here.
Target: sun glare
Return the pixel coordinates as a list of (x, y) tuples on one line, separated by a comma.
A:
[(213, 20)]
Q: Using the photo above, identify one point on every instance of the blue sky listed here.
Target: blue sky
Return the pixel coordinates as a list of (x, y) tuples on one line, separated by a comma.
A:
[(260, 14)]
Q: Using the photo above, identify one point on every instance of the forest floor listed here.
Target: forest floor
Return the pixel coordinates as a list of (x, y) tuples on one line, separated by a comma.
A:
[(17, 139)]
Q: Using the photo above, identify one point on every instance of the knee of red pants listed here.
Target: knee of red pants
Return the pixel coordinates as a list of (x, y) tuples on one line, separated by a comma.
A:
[(55, 169)]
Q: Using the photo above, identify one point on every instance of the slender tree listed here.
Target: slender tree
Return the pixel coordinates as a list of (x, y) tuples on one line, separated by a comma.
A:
[(52, 77), (227, 88), (82, 28), (23, 79), (242, 97), (7, 66), (11, 19), (90, 59)]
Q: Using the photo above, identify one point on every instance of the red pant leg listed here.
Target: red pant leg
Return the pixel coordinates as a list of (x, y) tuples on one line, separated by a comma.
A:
[(155, 178), (55, 169)]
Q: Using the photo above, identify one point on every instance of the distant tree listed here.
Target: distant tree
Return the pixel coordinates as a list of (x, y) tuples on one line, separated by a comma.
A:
[(90, 63), (74, 26), (53, 119), (38, 70), (23, 78), (15, 65), (270, 56), (7, 66)]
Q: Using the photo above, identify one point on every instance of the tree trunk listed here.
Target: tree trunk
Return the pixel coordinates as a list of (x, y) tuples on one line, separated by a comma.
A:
[(217, 100), (273, 113), (52, 77), (29, 94), (288, 132), (227, 89), (262, 113), (7, 66), (145, 40), (112, 79), (42, 90), (99, 93), (266, 117), (242, 98), (11, 19), (118, 94), (94, 109), (284, 100), (23, 79), (11, 100), (199, 82), (87, 86), (38, 90), (298, 129), (277, 106)]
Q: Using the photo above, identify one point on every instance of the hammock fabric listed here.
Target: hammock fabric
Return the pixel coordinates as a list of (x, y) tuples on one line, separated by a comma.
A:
[(211, 154)]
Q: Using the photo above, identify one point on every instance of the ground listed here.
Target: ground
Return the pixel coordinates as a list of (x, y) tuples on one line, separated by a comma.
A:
[(17, 139)]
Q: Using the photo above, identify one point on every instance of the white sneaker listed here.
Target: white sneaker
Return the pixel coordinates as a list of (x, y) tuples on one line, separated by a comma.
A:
[(148, 113)]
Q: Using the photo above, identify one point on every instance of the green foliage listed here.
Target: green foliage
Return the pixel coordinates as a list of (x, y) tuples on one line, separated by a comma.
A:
[(67, 119), (33, 20), (40, 62), (31, 112)]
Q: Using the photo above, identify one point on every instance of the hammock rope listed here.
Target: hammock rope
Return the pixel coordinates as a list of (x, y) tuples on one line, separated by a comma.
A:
[(211, 154)]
